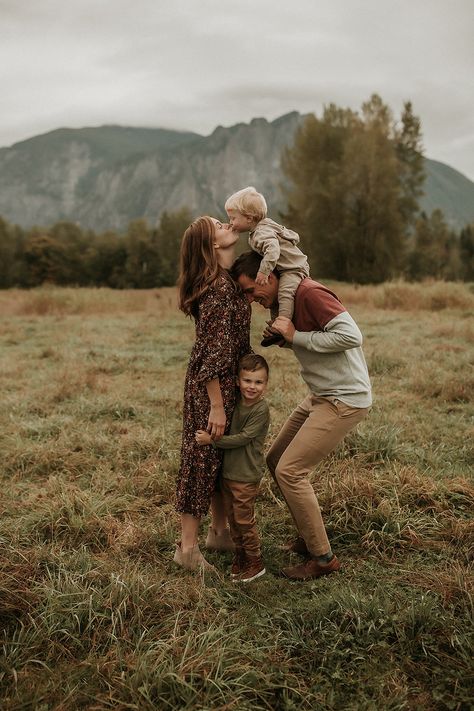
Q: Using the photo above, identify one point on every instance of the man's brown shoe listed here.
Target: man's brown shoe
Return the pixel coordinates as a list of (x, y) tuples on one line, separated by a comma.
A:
[(310, 569), (297, 545)]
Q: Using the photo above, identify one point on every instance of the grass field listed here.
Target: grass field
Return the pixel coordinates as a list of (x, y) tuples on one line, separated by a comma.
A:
[(93, 612)]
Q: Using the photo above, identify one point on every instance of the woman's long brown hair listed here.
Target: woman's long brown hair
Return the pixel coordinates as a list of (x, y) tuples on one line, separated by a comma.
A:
[(199, 268)]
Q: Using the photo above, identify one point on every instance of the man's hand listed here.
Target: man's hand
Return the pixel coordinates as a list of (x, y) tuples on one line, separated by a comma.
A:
[(202, 437), (284, 326), (261, 279)]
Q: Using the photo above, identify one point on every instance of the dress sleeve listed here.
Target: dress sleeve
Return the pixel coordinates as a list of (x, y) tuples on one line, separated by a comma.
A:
[(217, 341)]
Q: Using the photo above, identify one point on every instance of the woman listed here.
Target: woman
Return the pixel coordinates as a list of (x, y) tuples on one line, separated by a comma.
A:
[(221, 313)]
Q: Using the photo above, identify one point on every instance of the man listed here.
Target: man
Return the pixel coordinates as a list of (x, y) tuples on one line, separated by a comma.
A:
[(327, 343)]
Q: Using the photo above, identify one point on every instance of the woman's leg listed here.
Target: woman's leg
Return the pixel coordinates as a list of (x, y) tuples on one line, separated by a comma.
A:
[(187, 553), (189, 531)]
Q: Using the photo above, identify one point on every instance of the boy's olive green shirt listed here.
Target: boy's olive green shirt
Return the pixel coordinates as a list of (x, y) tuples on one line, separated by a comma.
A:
[(243, 446)]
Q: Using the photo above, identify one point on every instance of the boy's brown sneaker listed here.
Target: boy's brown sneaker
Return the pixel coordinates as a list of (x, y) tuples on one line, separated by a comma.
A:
[(311, 569), (254, 568), (238, 563)]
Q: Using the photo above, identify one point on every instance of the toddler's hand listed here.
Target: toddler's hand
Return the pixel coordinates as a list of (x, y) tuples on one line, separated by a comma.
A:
[(261, 279), (202, 437)]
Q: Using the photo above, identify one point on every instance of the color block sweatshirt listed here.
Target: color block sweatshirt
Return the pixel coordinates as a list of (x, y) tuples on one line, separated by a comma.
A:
[(328, 346)]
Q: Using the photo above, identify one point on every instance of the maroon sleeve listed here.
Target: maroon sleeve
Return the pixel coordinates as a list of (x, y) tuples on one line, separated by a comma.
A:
[(315, 306)]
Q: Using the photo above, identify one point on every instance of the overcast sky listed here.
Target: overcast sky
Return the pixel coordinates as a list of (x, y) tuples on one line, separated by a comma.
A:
[(197, 64)]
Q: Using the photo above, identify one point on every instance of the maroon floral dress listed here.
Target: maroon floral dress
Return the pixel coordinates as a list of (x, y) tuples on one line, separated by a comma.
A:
[(222, 338)]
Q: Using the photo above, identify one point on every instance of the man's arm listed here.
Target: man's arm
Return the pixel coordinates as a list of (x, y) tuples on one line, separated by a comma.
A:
[(339, 334)]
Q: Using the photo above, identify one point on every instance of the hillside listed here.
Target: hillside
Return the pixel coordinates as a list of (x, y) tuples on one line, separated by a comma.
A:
[(106, 176), (450, 191)]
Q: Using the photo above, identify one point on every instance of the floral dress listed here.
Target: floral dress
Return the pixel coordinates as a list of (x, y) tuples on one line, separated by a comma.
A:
[(222, 338)]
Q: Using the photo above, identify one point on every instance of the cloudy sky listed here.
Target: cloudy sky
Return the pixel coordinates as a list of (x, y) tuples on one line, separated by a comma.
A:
[(197, 64)]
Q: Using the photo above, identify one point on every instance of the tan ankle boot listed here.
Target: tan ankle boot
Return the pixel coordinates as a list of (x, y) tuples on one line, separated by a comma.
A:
[(219, 541), (192, 559)]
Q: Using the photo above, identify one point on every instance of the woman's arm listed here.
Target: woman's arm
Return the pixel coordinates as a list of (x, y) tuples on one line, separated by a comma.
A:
[(217, 420)]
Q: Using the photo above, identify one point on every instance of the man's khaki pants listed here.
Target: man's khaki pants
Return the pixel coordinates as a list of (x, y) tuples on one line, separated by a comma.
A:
[(311, 432)]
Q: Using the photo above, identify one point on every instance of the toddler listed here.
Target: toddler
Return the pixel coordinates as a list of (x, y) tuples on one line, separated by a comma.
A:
[(247, 211)]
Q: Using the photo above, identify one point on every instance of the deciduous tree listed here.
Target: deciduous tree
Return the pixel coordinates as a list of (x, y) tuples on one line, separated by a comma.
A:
[(354, 181)]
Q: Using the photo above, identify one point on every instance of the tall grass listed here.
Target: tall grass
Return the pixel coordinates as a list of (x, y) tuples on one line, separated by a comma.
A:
[(94, 614)]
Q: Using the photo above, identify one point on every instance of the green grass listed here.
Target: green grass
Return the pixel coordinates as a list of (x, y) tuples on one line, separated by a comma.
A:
[(93, 612)]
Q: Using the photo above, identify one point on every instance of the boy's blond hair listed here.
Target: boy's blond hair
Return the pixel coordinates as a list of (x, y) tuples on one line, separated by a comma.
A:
[(248, 202)]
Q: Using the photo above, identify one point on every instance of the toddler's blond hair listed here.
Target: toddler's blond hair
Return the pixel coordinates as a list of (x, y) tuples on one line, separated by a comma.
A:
[(248, 202)]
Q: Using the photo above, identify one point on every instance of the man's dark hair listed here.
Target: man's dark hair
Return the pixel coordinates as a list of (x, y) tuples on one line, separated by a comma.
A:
[(248, 264), (253, 361)]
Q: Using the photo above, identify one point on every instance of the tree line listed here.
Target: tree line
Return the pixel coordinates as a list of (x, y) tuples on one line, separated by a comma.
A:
[(64, 254), (352, 186)]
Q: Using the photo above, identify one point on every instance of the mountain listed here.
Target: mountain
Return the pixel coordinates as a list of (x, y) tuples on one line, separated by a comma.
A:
[(104, 177), (449, 191)]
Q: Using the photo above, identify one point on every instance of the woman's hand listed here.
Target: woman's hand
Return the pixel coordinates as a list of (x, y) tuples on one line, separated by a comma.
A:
[(202, 437), (216, 422)]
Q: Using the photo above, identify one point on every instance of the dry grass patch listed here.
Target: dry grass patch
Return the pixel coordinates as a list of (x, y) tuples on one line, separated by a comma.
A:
[(53, 301), (95, 613), (405, 296), (445, 386)]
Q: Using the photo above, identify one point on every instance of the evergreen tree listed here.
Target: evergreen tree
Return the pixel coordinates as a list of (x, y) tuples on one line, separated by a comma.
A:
[(409, 151), (73, 244), (7, 254), (141, 263), (167, 241), (105, 260), (466, 249), (436, 249)]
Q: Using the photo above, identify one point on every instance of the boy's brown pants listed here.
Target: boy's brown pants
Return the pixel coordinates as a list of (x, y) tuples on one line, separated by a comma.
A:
[(311, 432), (239, 501)]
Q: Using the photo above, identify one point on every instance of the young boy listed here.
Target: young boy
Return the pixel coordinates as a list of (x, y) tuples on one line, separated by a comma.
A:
[(244, 465), (247, 211)]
